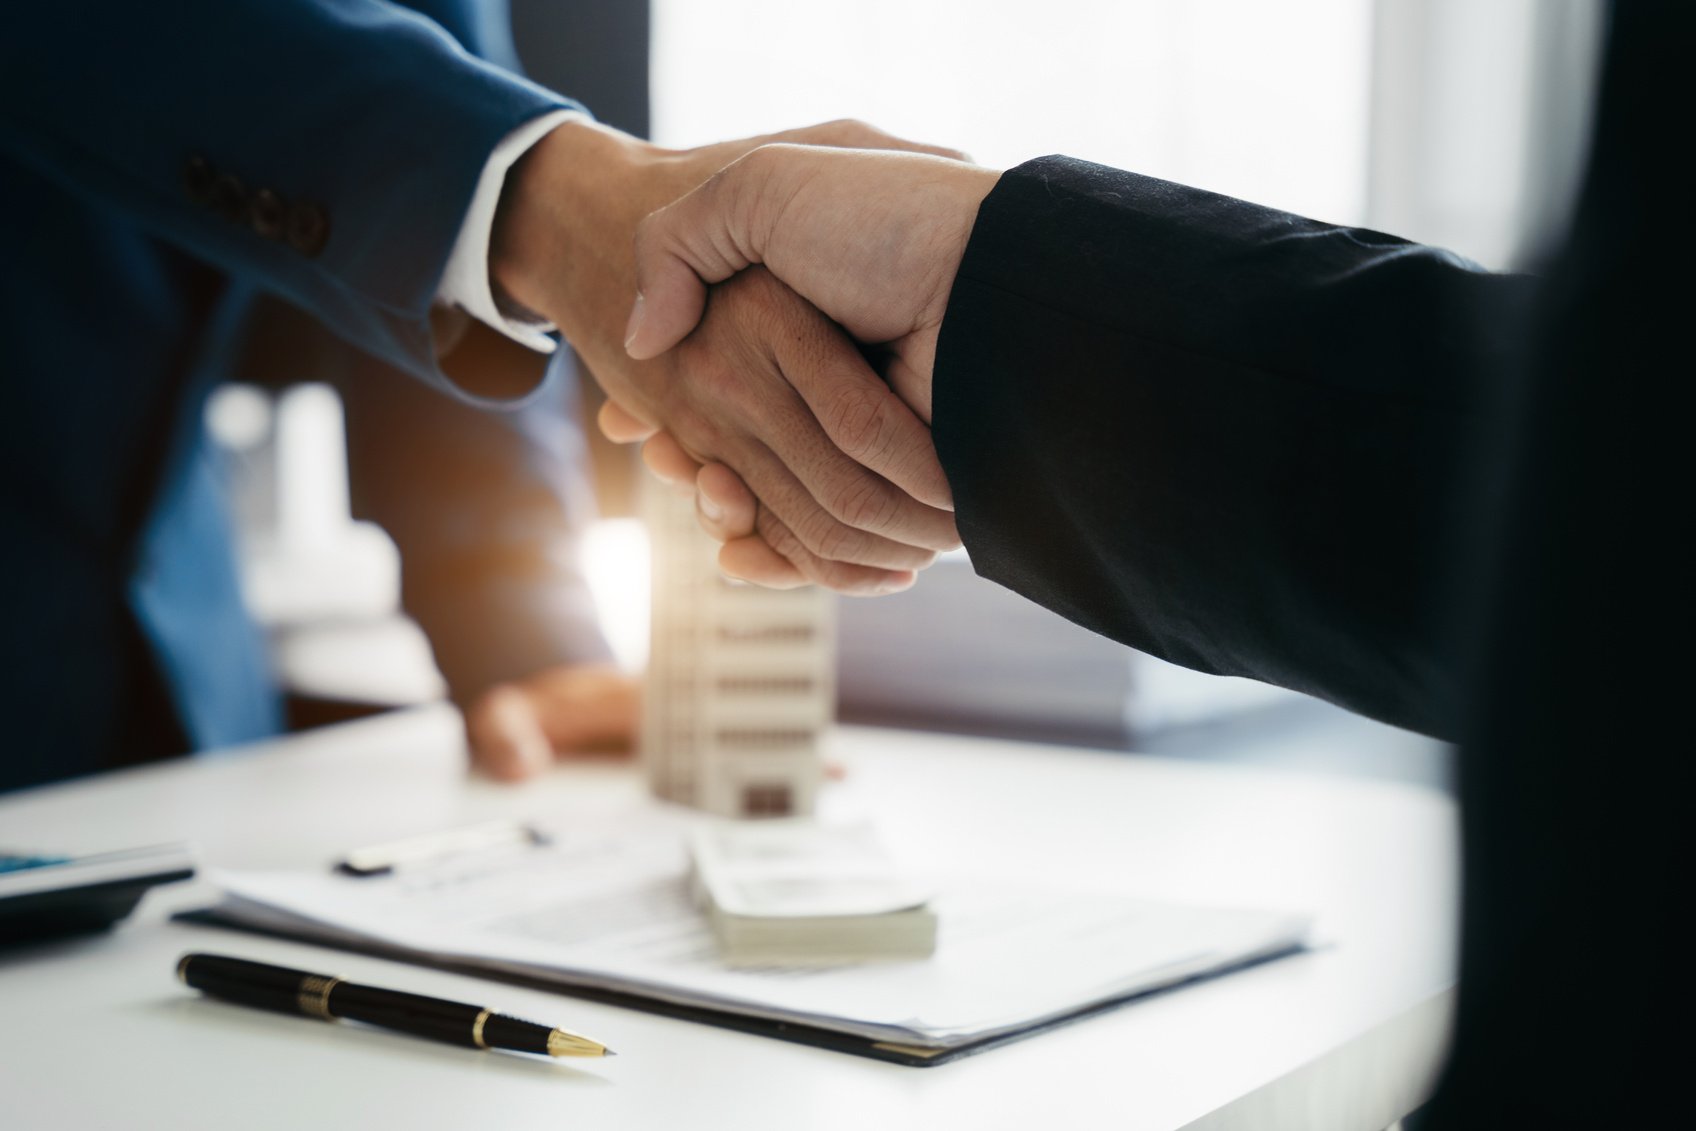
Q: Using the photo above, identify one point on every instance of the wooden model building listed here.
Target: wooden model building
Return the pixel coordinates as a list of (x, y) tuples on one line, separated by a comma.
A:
[(741, 680)]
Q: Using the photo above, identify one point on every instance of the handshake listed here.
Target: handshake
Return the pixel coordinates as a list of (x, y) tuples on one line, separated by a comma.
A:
[(764, 314)]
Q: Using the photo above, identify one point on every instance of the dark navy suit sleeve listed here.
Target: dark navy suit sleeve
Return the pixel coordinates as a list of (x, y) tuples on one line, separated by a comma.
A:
[(366, 124), (487, 509), (1223, 434)]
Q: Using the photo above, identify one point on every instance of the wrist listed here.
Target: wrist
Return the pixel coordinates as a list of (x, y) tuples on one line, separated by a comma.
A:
[(956, 215), (567, 215)]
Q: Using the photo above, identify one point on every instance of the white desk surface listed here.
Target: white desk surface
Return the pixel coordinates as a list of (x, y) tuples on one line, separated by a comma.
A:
[(97, 1032)]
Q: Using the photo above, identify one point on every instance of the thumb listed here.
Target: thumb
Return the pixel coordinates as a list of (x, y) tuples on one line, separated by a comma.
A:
[(703, 237), (506, 735)]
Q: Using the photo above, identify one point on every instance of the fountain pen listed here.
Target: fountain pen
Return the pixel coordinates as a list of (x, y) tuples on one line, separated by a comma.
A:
[(330, 999)]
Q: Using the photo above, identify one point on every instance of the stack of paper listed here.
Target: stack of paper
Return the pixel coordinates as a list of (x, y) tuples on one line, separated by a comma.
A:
[(608, 910), (801, 893)]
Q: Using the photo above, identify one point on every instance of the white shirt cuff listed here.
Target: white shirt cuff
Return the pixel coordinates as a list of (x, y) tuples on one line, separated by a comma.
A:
[(465, 283)]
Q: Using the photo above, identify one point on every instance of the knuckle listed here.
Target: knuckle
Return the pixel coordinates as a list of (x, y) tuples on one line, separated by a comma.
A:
[(839, 543), (755, 163), (863, 504), (814, 531), (818, 532), (855, 131), (778, 536), (858, 424)]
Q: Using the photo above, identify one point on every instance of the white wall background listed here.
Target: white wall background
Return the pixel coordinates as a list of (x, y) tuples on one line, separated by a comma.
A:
[(1454, 122), (1263, 100)]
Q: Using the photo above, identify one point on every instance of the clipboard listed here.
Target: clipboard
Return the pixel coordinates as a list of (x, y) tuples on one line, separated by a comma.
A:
[(814, 1036), (911, 1056), (605, 910)]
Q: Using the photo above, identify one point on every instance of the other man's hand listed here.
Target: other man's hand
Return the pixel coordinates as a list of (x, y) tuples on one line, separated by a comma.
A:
[(873, 239), (517, 730)]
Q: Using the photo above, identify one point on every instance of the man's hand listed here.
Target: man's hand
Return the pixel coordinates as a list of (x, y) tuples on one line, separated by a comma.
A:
[(724, 506), (873, 239), (517, 730), (846, 470)]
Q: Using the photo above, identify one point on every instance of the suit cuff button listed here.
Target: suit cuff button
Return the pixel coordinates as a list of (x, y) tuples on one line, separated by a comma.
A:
[(266, 214), (307, 228)]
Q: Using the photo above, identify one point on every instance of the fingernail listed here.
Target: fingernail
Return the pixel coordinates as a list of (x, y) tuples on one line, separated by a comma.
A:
[(710, 510), (895, 583), (634, 326)]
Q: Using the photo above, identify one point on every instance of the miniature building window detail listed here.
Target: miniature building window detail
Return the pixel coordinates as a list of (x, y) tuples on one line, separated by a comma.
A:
[(765, 685), (763, 737), (767, 799), (766, 633), (739, 680)]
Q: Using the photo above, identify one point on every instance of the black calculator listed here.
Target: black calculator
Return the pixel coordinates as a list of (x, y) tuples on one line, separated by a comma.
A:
[(47, 896)]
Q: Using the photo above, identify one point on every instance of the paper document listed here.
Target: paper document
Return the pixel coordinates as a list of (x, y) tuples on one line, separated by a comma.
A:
[(610, 907)]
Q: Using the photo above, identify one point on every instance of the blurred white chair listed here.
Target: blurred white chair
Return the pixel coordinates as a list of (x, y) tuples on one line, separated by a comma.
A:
[(325, 587)]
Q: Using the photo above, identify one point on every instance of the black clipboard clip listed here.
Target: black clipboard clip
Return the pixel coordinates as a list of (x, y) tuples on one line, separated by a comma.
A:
[(384, 859)]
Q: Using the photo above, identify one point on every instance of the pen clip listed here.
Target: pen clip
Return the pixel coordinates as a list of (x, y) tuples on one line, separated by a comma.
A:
[(384, 859)]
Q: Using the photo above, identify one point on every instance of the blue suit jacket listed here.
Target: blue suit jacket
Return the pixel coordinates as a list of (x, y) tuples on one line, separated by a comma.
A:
[(162, 166)]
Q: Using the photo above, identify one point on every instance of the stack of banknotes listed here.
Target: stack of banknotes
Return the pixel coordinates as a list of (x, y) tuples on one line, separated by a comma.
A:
[(802, 893)]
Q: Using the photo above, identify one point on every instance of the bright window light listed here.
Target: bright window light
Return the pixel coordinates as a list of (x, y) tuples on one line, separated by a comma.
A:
[(614, 556), (1263, 101)]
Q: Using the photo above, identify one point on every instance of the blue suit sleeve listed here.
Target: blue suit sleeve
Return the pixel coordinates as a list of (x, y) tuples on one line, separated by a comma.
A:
[(326, 150)]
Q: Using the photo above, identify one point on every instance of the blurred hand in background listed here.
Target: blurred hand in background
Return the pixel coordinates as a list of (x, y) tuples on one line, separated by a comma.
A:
[(517, 730)]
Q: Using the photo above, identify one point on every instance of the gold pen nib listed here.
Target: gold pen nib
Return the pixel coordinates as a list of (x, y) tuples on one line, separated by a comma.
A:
[(563, 1043)]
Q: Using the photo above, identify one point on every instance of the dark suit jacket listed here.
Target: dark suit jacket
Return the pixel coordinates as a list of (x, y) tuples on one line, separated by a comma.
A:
[(1461, 502), (161, 165)]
